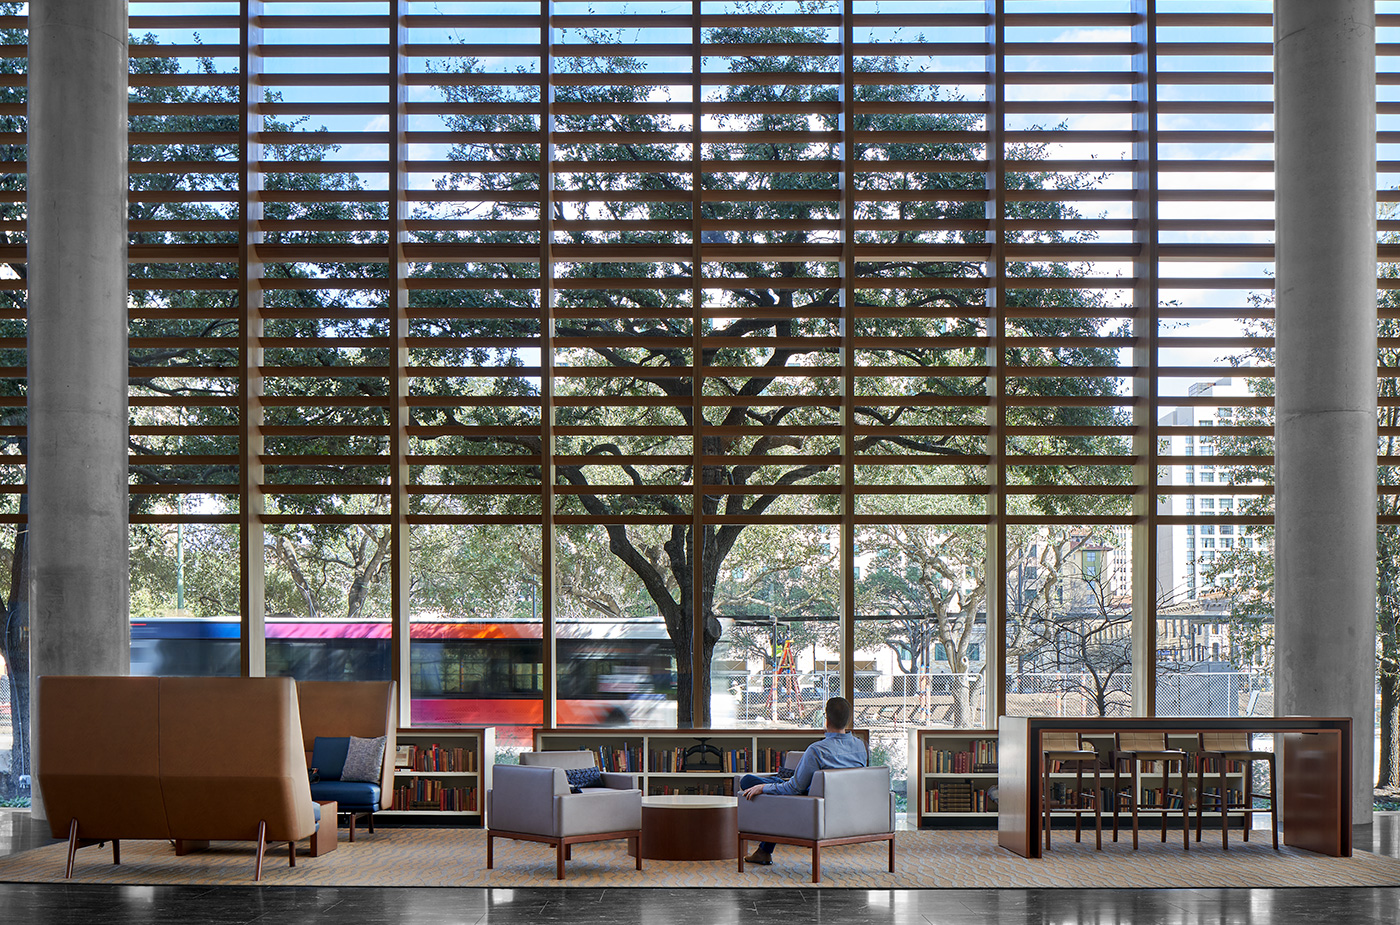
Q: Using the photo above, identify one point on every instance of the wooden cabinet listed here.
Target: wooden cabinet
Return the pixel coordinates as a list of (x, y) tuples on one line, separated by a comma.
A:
[(659, 756), (443, 773)]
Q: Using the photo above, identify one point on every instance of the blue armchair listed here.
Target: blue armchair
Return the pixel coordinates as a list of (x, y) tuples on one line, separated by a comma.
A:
[(331, 712)]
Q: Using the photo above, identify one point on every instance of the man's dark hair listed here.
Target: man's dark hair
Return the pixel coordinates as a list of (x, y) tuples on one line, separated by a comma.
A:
[(838, 714)]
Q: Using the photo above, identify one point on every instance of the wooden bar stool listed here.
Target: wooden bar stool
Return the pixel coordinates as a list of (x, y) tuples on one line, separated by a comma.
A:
[(1064, 747), (1222, 748), (1135, 748)]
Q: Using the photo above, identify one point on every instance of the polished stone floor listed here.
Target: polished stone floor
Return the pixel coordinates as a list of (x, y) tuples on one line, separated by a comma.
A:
[(100, 905)]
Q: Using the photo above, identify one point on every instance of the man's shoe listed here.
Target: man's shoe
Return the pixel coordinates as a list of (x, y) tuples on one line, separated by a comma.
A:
[(759, 857)]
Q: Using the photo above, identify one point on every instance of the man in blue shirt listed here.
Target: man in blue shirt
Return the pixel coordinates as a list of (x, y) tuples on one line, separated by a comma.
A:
[(838, 749)]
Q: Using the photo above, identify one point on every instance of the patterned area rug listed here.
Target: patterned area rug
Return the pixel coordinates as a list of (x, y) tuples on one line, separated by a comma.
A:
[(925, 859)]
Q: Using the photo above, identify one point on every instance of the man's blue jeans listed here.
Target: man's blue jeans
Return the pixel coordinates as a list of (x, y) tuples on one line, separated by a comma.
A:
[(751, 780)]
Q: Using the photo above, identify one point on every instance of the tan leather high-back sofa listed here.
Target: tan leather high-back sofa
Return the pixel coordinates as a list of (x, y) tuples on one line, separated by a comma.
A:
[(366, 709), (188, 759)]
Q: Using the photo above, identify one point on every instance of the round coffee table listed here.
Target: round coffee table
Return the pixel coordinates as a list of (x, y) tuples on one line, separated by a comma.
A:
[(686, 827)]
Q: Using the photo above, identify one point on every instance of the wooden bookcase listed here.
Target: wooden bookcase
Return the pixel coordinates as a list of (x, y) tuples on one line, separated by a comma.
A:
[(954, 773), (452, 768), (653, 754), (961, 766)]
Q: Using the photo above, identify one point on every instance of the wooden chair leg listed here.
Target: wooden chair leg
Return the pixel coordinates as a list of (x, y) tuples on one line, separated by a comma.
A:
[(370, 823), (1166, 785), (743, 843), (72, 848), (1200, 794), (262, 846), (1273, 801), (1045, 797), (1098, 808), (1185, 809), (816, 863), (891, 853), (1078, 797), (1133, 800), (634, 844), (1248, 798), (1116, 800), (291, 854), (1224, 806), (559, 850), (490, 848), (116, 851), (352, 827)]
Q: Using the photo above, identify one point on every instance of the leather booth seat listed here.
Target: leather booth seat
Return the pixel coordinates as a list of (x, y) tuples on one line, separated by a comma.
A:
[(185, 759), (340, 709)]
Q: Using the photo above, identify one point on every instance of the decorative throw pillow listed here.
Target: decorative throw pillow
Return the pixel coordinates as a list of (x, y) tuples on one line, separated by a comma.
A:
[(364, 760), (583, 777), (328, 756)]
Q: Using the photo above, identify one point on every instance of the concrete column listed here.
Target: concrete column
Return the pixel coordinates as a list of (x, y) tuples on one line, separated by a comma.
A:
[(1325, 503), (79, 577)]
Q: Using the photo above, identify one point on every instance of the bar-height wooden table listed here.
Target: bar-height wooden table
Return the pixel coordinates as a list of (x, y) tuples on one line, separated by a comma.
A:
[(1314, 772)]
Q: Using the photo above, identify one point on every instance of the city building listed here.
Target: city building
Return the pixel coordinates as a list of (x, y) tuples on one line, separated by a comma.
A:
[(1187, 553)]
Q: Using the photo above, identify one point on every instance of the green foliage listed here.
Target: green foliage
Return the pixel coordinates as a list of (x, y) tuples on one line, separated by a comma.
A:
[(769, 314)]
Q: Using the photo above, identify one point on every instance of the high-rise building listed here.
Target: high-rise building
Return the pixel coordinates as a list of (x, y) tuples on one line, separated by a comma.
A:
[(1186, 553)]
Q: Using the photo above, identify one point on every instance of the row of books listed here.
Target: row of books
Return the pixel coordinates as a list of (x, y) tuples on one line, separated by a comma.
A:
[(1160, 798), (1233, 798), (1064, 795), (731, 761), (980, 758), (623, 758), (769, 760), (958, 797), (426, 794), (1172, 769), (723, 788), (435, 758)]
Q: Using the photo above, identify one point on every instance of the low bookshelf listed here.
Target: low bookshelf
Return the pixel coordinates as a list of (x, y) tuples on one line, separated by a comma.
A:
[(659, 759), (955, 776), (442, 774)]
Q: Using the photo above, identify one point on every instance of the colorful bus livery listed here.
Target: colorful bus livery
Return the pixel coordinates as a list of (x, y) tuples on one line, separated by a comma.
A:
[(463, 673)]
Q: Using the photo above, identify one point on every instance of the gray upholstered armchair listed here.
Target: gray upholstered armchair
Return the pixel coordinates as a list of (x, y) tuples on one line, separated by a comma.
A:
[(842, 807), (531, 802)]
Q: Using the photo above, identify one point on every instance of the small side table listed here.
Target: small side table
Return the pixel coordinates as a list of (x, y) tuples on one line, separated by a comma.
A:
[(685, 827), (327, 834)]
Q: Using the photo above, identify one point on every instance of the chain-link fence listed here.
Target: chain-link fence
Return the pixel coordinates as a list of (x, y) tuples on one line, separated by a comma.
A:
[(1214, 693), (959, 700)]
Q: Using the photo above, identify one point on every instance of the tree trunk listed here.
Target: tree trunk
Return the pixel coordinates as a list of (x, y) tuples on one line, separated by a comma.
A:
[(16, 647), (962, 701), (1390, 730), (684, 686), (691, 691)]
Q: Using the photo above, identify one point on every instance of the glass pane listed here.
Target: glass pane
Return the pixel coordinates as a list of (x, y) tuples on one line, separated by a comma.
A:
[(921, 628), (1068, 621), (476, 656), (616, 658), (328, 602), (185, 599), (778, 658)]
